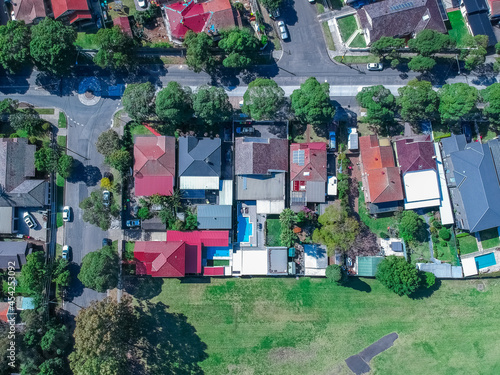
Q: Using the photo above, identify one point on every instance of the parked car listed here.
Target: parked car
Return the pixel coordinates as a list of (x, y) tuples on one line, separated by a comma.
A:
[(311, 1), (28, 219), (65, 252), (333, 140), (142, 3), (283, 32), (106, 198), (275, 14), (106, 242), (466, 130), (133, 223), (375, 66), (66, 213)]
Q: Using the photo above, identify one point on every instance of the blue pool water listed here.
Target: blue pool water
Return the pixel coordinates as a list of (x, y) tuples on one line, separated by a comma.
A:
[(213, 251), (486, 260), (245, 229)]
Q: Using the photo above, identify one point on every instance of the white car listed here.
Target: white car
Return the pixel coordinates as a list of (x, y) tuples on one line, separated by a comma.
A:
[(142, 3), (28, 219), (66, 213), (283, 32), (65, 252), (375, 66)]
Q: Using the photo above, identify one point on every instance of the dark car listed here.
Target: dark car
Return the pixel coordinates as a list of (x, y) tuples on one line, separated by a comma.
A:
[(466, 130), (133, 223), (106, 242), (106, 197)]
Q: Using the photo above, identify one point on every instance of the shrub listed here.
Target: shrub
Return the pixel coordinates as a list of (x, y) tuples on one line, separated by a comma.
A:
[(383, 235), (437, 224), (428, 279), (444, 244), (335, 274), (32, 140), (143, 213), (106, 183), (14, 135), (435, 238), (46, 126), (444, 234)]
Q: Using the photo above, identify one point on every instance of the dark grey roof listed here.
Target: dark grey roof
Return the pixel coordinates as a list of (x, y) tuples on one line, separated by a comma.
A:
[(214, 217), (397, 246), (31, 193), (13, 251), (315, 191), (475, 6), (153, 224), (17, 162), (255, 187), (480, 24), (199, 157), (260, 155)]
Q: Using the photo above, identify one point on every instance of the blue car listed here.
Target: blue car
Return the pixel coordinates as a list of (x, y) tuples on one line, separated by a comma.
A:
[(133, 223), (333, 140)]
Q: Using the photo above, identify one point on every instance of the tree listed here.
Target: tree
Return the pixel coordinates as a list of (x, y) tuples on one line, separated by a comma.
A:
[(120, 160), (8, 106), (429, 42), (379, 103), (65, 165), (311, 103), (421, 64), (418, 102), (240, 45), (53, 366), (428, 279), (115, 48), (60, 272), (108, 142), (14, 45), (100, 269), (491, 98), (411, 226), (445, 234), (33, 272), (52, 46), (105, 335), (138, 100), (475, 51), (287, 237), (398, 275), (56, 339), (263, 99), (96, 213), (335, 274), (28, 120), (338, 231), (457, 101), (211, 106), (47, 159), (236, 60), (386, 45), (191, 222), (143, 213), (271, 5), (174, 104), (147, 16), (199, 55), (287, 217)]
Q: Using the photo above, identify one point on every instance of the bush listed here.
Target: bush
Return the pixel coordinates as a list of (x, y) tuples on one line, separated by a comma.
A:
[(32, 140), (443, 244), (143, 213), (335, 274), (383, 235), (444, 234), (435, 238), (46, 126), (436, 224), (428, 279)]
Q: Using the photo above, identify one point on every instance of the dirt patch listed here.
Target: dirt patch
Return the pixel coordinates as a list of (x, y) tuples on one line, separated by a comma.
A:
[(290, 354)]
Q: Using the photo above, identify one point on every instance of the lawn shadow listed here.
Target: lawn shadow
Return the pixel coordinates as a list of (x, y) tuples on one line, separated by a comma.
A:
[(426, 292), (143, 288), (196, 280), (356, 283)]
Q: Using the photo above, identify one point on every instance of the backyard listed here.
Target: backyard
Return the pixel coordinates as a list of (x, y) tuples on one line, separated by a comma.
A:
[(458, 29), (273, 232), (376, 225), (467, 244), (489, 238), (310, 326)]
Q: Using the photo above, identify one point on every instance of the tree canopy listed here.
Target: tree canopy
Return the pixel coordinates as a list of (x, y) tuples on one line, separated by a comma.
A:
[(116, 48), (100, 269), (240, 46), (211, 106), (174, 104), (96, 213), (429, 42), (199, 54), (271, 5), (421, 64), (108, 142), (335, 274), (121, 160), (457, 101), (46, 159), (475, 51), (398, 275), (14, 45), (386, 45), (418, 101), (33, 273), (379, 103), (138, 100), (411, 226), (311, 103), (65, 165), (263, 99), (491, 97)]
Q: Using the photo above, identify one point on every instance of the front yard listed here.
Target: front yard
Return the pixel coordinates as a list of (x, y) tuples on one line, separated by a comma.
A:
[(467, 244), (347, 27), (458, 29)]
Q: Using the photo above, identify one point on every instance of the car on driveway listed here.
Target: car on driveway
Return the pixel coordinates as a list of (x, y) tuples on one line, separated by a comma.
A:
[(467, 131), (106, 242), (133, 223), (28, 219), (275, 14), (65, 252), (283, 32), (333, 140), (375, 66), (106, 198), (142, 3), (66, 213)]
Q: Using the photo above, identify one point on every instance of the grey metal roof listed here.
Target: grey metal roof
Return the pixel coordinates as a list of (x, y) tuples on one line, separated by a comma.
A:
[(199, 156), (315, 191), (264, 187), (6, 217), (354, 141), (480, 24), (153, 224), (442, 271), (278, 260), (214, 216), (13, 251)]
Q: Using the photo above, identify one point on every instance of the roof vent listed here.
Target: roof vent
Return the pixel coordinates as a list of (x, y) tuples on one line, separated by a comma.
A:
[(426, 17)]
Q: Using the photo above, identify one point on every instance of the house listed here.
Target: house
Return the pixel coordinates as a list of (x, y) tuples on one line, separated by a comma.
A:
[(381, 178), (7, 312), (417, 161), (265, 261), (199, 164), (260, 166), (315, 260), (308, 173), (154, 224), (476, 15), (494, 10), (13, 253), (29, 11), (472, 171), (209, 16), (154, 165), (71, 10), (214, 216), (160, 258), (399, 19), (124, 24)]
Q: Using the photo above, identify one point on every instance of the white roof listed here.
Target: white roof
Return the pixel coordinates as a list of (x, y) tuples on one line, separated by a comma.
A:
[(315, 272), (421, 189), (270, 207), (226, 193), (199, 183), (253, 261), (469, 266), (332, 185), (445, 208)]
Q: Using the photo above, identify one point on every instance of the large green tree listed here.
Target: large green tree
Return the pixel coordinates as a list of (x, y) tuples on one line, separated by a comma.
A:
[(138, 100), (379, 103), (108, 142), (398, 275), (100, 269), (199, 51), (271, 5), (96, 213), (418, 102), (457, 102), (46, 159), (335, 274), (386, 46), (52, 46), (211, 106), (174, 104), (411, 226), (116, 48), (311, 103), (65, 165), (14, 45), (121, 160), (53, 366), (491, 98), (474, 52), (28, 120), (263, 99), (240, 47), (428, 42), (55, 339), (422, 64), (34, 272)]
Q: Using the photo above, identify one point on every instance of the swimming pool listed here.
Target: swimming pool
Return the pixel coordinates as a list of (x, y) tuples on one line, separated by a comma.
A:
[(485, 260), (245, 229), (217, 252)]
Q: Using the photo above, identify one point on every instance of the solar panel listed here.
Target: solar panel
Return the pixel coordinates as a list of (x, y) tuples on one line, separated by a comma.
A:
[(298, 157)]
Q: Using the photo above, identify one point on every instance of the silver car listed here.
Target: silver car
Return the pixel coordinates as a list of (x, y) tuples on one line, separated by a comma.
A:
[(375, 66), (283, 32), (28, 219)]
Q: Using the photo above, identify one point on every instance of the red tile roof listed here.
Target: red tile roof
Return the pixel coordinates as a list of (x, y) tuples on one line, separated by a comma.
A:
[(416, 154), (314, 162), (4, 311), (154, 165), (194, 241), (124, 24), (213, 271), (59, 7), (160, 259), (380, 173), (494, 7), (79, 15)]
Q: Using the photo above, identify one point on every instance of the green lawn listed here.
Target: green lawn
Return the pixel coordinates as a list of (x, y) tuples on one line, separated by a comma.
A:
[(489, 238), (129, 251), (61, 140), (273, 232), (309, 326), (220, 262), (320, 8), (376, 225), (139, 130), (63, 122), (357, 59), (347, 26), (358, 42), (86, 41), (328, 35), (60, 221), (458, 29), (467, 244), (45, 111)]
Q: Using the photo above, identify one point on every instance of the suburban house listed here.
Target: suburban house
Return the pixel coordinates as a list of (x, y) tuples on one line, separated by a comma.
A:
[(71, 10), (29, 11), (19, 187), (399, 19), (154, 165), (494, 8), (315, 260), (13, 253), (308, 174), (477, 18), (207, 16), (124, 24), (260, 167), (212, 216), (266, 261), (472, 171), (381, 178), (417, 161), (199, 165)]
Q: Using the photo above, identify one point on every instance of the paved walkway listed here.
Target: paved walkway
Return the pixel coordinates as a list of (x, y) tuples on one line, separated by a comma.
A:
[(359, 363), (344, 11)]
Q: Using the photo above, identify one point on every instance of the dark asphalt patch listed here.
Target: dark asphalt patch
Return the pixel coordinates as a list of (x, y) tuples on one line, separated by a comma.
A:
[(357, 365)]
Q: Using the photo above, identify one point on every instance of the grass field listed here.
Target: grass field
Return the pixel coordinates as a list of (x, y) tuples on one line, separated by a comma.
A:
[(328, 35), (347, 26), (61, 140), (458, 29), (358, 42), (467, 244), (273, 232), (86, 41), (139, 130), (309, 326), (489, 238), (357, 59), (45, 111)]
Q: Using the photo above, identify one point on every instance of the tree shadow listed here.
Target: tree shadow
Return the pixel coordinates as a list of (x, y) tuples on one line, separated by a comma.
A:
[(75, 288), (170, 345), (10, 84), (422, 293), (52, 84), (356, 283), (89, 174), (289, 13), (143, 288)]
